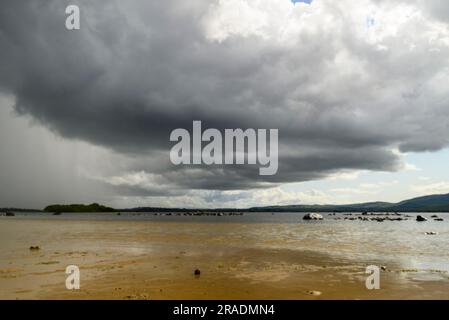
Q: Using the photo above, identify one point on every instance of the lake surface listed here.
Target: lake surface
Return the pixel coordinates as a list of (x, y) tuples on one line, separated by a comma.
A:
[(354, 239), (282, 242), (247, 217)]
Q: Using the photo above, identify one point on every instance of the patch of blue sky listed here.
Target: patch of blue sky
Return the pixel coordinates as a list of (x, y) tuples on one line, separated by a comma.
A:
[(304, 1), (370, 21), (427, 168)]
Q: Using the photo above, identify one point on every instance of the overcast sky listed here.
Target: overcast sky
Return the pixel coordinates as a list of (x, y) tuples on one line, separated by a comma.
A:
[(359, 91)]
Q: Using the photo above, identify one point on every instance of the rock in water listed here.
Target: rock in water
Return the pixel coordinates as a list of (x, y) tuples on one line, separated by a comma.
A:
[(421, 218), (313, 216)]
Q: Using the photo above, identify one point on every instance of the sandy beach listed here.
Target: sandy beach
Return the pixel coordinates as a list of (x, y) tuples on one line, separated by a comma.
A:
[(238, 260)]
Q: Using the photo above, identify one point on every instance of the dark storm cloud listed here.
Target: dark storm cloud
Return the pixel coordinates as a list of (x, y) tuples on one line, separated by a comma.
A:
[(139, 69)]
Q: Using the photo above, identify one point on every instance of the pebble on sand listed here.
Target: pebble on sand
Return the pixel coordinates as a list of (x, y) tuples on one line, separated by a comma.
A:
[(313, 293)]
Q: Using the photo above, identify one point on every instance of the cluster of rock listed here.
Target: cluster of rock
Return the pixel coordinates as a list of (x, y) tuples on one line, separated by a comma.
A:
[(381, 217), (313, 216), (196, 214), (376, 219), (213, 214), (420, 218), (437, 218)]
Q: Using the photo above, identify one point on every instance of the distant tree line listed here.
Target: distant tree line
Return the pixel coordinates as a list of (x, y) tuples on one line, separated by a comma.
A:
[(94, 207)]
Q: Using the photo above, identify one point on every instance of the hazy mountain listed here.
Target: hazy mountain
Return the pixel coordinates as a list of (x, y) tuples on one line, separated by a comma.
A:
[(431, 203), (426, 203)]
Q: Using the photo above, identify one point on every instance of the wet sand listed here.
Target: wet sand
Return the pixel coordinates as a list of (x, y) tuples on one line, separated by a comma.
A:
[(156, 260)]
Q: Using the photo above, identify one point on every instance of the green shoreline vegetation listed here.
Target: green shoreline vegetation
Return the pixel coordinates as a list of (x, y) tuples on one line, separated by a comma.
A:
[(94, 207)]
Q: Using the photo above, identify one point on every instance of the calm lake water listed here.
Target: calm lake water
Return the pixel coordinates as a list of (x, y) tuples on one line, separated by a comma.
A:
[(405, 240), (247, 217), (348, 239), (96, 237)]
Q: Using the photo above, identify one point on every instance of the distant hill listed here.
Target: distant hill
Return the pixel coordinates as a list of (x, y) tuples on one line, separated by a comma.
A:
[(94, 207), (435, 203), (432, 203)]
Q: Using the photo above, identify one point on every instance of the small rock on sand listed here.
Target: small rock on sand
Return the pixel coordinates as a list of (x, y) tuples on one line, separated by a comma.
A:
[(313, 293), (141, 296)]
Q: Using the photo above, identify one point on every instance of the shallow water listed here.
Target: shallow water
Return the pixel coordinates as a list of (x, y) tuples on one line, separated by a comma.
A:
[(398, 240), (91, 239), (247, 217)]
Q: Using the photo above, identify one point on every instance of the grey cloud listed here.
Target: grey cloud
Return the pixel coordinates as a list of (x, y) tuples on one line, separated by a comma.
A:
[(139, 69)]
